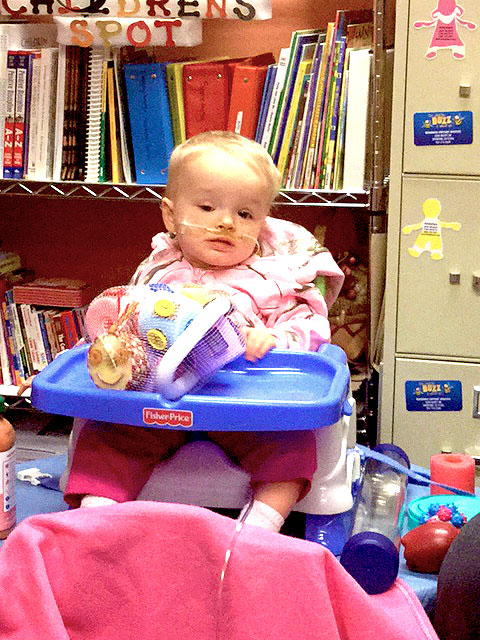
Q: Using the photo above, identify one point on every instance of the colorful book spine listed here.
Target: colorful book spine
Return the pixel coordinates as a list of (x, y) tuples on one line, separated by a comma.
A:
[(4, 356), (9, 130), (71, 337), (29, 338), (324, 170), (21, 92), (339, 153), (295, 159), (267, 94), (297, 180), (19, 351), (275, 98), (10, 346), (47, 109), (32, 138), (318, 107), (304, 67), (309, 36)]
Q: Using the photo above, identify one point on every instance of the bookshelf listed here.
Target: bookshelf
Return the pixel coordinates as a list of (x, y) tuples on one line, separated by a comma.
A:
[(80, 229)]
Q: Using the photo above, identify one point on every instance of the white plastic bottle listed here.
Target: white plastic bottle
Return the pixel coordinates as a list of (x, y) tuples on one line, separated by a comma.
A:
[(371, 553), (8, 516)]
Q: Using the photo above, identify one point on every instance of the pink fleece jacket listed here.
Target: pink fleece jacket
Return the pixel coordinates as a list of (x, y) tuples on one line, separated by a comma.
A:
[(273, 289)]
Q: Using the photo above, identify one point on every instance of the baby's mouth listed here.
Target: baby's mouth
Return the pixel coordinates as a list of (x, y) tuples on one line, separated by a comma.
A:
[(222, 240)]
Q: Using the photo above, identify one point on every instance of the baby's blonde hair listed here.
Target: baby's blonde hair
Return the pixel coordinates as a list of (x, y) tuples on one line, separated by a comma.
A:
[(251, 152)]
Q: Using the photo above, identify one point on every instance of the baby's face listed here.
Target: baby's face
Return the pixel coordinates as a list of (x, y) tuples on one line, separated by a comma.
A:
[(217, 209)]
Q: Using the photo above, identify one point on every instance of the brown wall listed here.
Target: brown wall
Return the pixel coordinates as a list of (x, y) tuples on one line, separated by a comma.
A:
[(102, 241)]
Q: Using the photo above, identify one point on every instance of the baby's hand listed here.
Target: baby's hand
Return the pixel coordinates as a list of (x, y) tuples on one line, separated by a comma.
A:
[(25, 385), (259, 342)]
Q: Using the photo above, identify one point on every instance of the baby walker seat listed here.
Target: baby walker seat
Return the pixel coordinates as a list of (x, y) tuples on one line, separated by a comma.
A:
[(283, 391)]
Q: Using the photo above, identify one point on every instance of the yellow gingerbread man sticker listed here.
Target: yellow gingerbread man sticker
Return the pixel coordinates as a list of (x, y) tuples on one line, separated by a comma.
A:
[(430, 236)]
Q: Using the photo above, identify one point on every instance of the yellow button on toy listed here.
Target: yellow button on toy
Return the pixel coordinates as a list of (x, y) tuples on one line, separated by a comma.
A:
[(164, 308), (157, 339)]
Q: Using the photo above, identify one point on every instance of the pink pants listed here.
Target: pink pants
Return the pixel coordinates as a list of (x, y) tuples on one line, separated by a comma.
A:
[(115, 461)]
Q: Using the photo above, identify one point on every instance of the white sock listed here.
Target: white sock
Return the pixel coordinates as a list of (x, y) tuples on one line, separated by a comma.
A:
[(96, 501), (263, 515)]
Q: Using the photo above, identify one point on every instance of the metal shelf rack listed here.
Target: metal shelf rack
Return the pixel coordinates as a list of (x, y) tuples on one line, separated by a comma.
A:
[(145, 193)]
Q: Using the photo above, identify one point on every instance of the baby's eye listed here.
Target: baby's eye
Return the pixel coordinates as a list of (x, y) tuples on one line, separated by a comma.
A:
[(246, 215), (206, 207)]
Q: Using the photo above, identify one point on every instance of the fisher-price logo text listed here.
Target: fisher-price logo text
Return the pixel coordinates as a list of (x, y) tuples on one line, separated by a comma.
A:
[(163, 417)]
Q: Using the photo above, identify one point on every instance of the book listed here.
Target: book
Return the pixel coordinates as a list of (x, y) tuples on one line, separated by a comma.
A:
[(55, 292), (126, 150), (318, 107), (297, 181), (48, 315), (10, 347), (59, 328), (114, 126), (266, 96), (246, 96), (295, 158), (305, 62), (32, 136), (150, 122), (44, 344), (343, 18), (47, 108), (59, 112), (3, 84), (104, 168), (30, 338), (206, 96), (96, 92), (175, 96), (21, 90), (298, 39), (19, 350), (356, 123), (325, 166), (5, 357), (74, 124), (9, 130), (69, 328), (357, 36), (277, 88), (339, 153)]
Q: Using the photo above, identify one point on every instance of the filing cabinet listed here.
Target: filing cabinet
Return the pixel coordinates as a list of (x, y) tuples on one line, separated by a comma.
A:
[(430, 378)]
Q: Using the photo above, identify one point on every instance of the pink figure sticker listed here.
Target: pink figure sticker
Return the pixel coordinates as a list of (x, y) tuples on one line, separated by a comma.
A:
[(446, 19)]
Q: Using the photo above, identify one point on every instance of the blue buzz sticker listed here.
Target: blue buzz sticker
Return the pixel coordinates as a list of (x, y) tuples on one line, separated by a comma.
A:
[(433, 128), (433, 395)]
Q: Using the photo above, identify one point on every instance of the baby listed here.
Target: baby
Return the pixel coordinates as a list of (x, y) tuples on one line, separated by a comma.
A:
[(216, 211)]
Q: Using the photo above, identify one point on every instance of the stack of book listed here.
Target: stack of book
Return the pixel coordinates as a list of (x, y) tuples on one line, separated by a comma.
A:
[(93, 114), (38, 320)]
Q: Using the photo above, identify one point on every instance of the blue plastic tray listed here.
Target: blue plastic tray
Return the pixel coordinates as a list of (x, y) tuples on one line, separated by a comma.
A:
[(286, 390)]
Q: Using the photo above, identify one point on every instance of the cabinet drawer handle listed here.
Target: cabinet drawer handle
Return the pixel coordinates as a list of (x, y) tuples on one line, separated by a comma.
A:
[(476, 397)]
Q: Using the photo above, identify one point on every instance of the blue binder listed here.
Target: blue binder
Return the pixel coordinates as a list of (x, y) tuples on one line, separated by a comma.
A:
[(150, 121)]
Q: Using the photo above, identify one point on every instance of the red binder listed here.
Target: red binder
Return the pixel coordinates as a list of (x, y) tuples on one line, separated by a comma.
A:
[(207, 88), (206, 96), (247, 91)]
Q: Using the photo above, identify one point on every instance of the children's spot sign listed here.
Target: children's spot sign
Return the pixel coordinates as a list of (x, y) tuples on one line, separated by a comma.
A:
[(446, 20), (433, 395), (442, 127), (430, 236)]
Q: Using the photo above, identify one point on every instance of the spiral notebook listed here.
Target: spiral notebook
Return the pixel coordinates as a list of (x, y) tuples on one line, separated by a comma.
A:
[(95, 120)]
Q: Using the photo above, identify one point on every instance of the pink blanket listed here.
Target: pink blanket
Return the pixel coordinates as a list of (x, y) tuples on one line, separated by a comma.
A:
[(144, 570)]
